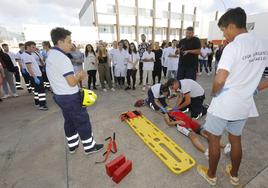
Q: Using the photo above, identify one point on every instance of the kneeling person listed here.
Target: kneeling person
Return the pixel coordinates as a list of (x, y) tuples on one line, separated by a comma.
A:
[(194, 96), (157, 97)]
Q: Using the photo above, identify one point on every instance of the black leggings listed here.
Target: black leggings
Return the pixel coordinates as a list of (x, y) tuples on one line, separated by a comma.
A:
[(131, 73), (164, 71), (121, 81), (157, 73), (91, 77)]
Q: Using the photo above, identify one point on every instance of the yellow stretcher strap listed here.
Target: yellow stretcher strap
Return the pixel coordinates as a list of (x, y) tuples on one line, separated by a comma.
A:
[(176, 159)]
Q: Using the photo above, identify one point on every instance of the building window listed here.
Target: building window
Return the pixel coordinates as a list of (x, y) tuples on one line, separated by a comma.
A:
[(106, 29)]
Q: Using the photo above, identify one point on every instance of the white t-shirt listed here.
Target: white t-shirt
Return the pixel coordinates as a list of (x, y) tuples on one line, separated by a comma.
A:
[(37, 57), (133, 58), (20, 56), (172, 62), (156, 91), (245, 59), (205, 52), (13, 58), (90, 62), (58, 66), (29, 59), (150, 64), (192, 87)]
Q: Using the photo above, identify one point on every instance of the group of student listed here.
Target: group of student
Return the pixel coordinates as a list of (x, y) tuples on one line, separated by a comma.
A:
[(30, 63)]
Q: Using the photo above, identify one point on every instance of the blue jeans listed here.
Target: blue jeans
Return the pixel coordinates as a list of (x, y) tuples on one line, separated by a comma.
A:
[(203, 63)]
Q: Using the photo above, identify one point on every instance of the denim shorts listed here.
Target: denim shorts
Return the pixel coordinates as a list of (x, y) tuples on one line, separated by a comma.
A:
[(216, 125)]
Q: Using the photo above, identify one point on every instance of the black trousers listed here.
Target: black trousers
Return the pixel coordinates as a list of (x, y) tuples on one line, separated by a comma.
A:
[(39, 92), (131, 73), (210, 63), (164, 71), (157, 73), (27, 80), (44, 76), (121, 81), (91, 78), (196, 106), (17, 77), (186, 73), (141, 71)]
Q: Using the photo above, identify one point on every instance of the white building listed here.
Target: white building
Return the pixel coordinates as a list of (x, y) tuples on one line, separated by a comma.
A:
[(80, 35), (255, 24), (127, 19)]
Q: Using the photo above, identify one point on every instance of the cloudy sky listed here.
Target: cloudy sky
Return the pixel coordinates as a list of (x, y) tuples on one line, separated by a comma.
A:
[(65, 12)]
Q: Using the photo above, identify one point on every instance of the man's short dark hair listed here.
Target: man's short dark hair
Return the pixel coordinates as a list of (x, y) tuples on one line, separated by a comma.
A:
[(190, 29), (29, 43), (236, 16), (46, 43), (171, 81), (174, 40), (59, 33), (3, 45), (21, 44)]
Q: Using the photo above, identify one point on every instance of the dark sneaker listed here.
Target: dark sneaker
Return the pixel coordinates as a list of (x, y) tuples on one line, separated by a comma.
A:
[(19, 88), (95, 88), (44, 108), (95, 149), (73, 150), (127, 88), (133, 88)]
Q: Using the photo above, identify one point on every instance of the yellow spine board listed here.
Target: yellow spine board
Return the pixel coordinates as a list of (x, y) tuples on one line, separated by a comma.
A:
[(174, 157)]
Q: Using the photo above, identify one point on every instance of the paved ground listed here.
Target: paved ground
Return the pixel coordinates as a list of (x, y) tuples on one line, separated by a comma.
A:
[(33, 151)]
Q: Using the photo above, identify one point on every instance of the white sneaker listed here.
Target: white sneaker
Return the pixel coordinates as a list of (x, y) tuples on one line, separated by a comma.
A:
[(15, 95), (112, 89), (105, 90), (208, 74), (199, 74), (143, 89), (206, 154), (5, 96), (227, 149), (186, 110)]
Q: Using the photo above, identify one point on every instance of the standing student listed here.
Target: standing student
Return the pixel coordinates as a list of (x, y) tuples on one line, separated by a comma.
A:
[(23, 69), (218, 56), (163, 59), (77, 59), (103, 68), (132, 66), (111, 55), (121, 60), (2, 77), (41, 63), (36, 76), (141, 49), (172, 60), (44, 53), (157, 64), (238, 75), (13, 59), (148, 60), (210, 56), (64, 83), (203, 58), (189, 51), (9, 70), (91, 65)]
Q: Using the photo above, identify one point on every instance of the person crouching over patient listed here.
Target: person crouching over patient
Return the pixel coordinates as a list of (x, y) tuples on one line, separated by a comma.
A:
[(193, 96), (157, 96)]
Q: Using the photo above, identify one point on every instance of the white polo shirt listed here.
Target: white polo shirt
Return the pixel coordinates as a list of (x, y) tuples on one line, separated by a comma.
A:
[(192, 87), (172, 62), (205, 52), (133, 58), (245, 59), (149, 65), (58, 66), (13, 58), (27, 58), (20, 56), (156, 91)]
